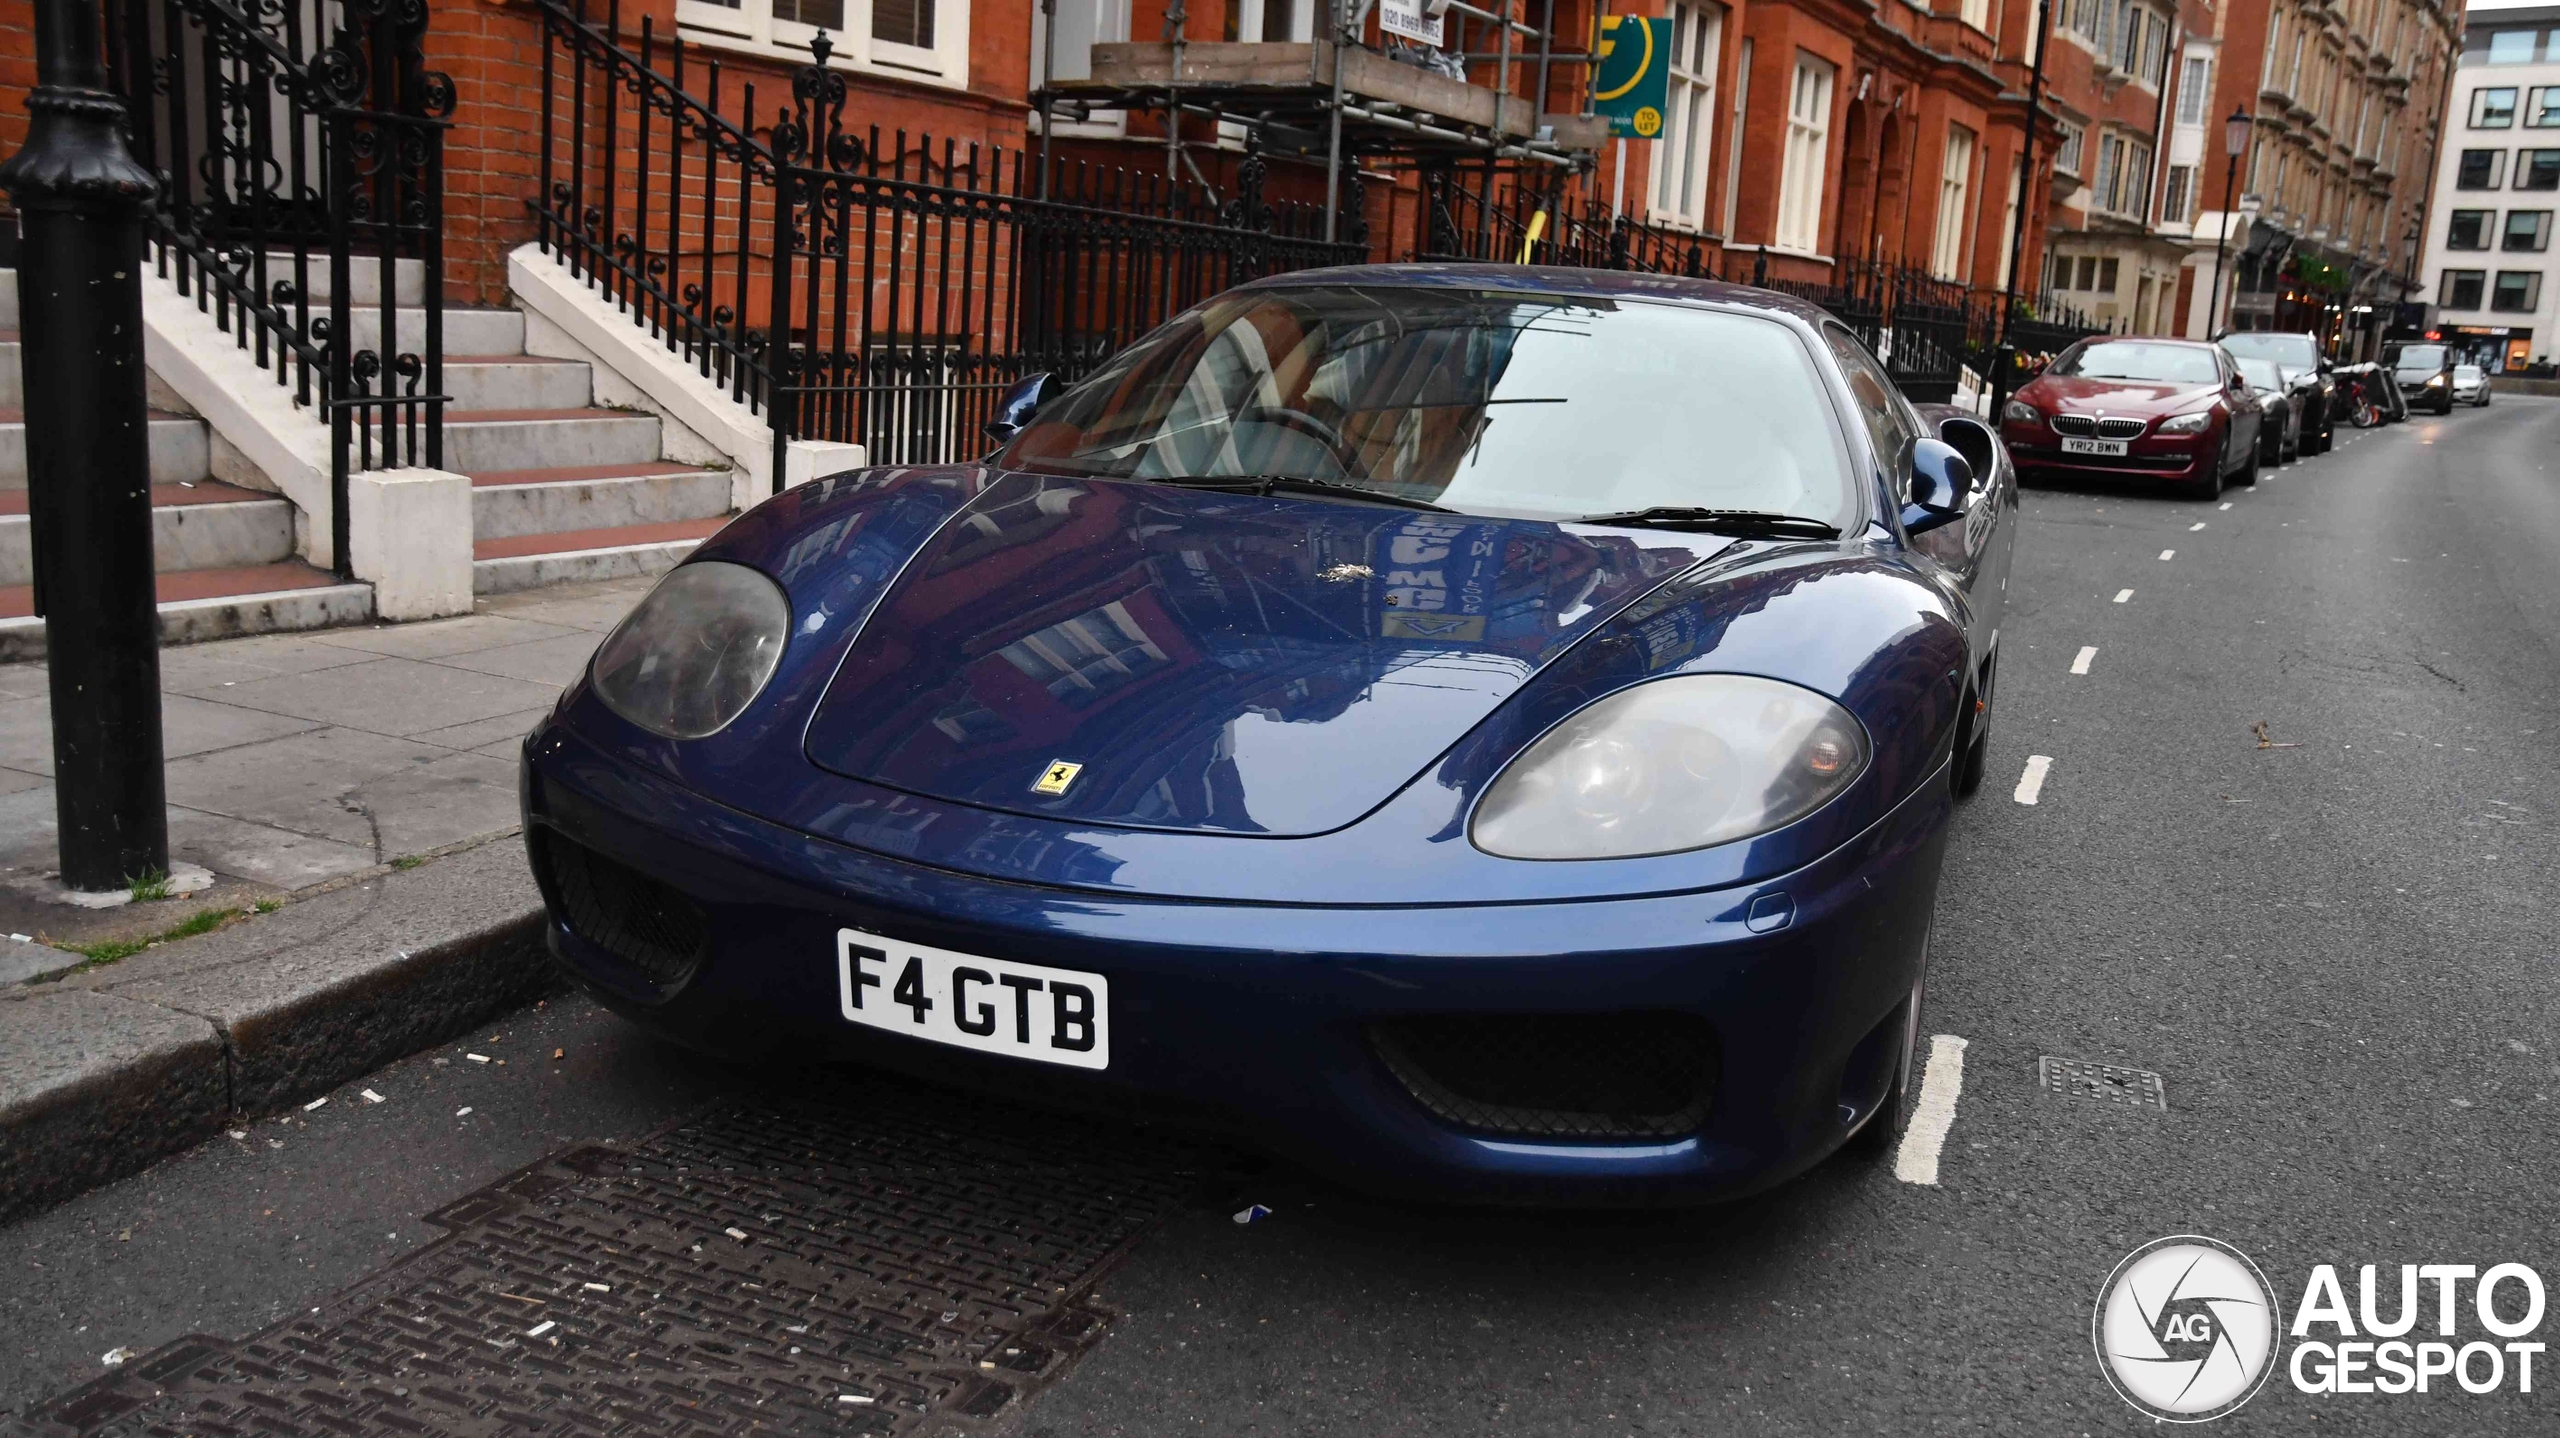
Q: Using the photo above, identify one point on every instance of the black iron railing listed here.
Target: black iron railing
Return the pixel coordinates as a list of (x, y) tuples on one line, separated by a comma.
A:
[(297, 140), (877, 288)]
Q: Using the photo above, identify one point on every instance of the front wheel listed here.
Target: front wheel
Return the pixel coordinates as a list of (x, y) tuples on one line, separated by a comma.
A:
[(1973, 736), (1880, 1135)]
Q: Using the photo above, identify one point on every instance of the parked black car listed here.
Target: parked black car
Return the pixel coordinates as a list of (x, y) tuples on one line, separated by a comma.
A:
[(2288, 397), (2425, 373), (2299, 352)]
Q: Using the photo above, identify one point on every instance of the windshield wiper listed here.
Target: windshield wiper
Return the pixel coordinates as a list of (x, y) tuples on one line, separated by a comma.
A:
[(1749, 522), (1269, 484)]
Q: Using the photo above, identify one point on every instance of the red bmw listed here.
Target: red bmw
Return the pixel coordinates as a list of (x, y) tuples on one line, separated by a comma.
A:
[(2176, 411)]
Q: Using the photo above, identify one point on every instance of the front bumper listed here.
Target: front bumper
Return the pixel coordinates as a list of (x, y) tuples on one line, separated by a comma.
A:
[(1256, 1019), (2038, 450)]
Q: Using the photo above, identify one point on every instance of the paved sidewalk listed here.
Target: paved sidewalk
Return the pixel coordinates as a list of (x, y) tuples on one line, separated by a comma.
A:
[(299, 759)]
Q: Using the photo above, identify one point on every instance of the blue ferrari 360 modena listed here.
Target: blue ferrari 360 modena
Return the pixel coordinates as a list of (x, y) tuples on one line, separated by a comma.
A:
[(1485, 732)]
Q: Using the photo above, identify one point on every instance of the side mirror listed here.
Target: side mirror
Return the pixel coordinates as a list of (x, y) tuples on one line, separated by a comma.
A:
[(1941, 478), (1020, 403)]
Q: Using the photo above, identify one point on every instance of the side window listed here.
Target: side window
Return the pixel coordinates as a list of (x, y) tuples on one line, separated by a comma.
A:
[(1891, 426)]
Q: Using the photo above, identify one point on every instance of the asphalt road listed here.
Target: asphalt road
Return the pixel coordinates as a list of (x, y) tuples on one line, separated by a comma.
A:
[(2339, 956)]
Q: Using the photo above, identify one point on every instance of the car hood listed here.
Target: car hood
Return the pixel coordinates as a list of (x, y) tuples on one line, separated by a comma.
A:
[(2071, 394), (1184, 659)]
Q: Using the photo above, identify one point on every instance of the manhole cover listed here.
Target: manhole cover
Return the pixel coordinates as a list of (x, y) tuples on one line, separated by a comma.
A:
[(894, 1260), (2107, 1083)]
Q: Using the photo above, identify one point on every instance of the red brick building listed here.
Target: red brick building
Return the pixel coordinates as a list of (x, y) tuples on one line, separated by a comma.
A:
[(1814, 132)]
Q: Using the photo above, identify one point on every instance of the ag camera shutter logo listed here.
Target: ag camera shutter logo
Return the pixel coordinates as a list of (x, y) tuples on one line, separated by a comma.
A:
[(2185, 1328)]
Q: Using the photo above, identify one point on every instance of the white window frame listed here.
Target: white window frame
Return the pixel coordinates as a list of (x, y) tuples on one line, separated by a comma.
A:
[(750, 26), (2069, 148), (1955, 188), (1808, 155), (1686, 154), (1110, 22), (2195, 88), (1976, 13)]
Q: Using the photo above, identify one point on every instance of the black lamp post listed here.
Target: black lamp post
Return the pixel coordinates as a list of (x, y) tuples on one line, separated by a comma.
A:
[(80, 198), (2004, 350), (2235, 143)]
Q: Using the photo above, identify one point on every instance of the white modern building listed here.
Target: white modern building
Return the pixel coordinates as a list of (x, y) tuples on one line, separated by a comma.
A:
[(2490, 263)]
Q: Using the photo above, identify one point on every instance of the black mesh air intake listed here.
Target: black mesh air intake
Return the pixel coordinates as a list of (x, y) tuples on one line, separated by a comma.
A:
[(1591, 1076), (658, 933)]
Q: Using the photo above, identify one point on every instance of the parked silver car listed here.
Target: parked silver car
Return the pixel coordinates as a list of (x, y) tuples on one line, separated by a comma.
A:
[(2471, 385)]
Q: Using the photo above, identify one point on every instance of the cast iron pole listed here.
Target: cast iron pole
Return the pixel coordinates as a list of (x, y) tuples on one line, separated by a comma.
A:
[(2221, 243), (80, 198)]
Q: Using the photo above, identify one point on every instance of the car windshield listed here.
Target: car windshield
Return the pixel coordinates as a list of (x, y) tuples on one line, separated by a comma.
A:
[(2421, 358), (2261, 373), (2291, 351), (2150, 363), (1480, 400), (2467, 371)]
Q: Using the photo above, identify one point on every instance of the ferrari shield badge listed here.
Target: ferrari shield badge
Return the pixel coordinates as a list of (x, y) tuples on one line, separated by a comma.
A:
[(1056, 778)]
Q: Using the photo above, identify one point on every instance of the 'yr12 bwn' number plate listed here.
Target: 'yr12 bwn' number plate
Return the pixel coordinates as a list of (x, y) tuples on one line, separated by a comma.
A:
[(1056, 1016), (2093, 446)]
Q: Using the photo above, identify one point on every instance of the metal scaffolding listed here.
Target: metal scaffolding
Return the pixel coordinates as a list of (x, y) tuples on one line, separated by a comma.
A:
[(1336, 101)]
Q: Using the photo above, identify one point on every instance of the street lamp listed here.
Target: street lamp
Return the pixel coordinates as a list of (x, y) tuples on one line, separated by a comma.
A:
[(2235, 143), (80, 198)]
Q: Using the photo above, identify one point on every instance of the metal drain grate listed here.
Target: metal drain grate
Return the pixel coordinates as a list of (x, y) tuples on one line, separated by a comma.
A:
[(2106, 1083), (913, 1261)]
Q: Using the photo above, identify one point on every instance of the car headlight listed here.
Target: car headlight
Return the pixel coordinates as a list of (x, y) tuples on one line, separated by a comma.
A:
[(2018, 411), (1674, 764), (696, 652), (2439, 379), (2194, 423)]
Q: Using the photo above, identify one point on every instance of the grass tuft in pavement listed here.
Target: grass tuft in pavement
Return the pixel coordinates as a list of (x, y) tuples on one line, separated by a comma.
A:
[(151, 885)]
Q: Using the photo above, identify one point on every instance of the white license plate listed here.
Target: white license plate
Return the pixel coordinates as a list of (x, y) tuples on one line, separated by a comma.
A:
[(2093, 446), (996, 1006)]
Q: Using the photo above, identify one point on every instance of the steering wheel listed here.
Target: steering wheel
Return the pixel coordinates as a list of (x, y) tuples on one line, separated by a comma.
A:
[(1304, 423)]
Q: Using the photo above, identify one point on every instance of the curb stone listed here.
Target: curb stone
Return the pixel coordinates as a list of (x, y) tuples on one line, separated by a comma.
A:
[(105, 1073)]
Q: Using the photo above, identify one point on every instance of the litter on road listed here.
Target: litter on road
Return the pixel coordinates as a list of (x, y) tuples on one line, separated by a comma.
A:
[(315, 1103), (484, 1058), (115, 1357), (1252, 1213), (539, 1329), (462, 1112), (371, 1097), (739, 1234), (2268, 741)]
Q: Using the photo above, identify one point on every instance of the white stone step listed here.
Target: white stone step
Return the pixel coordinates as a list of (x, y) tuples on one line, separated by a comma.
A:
[(181, 451), (481, 441), (503, 566), (466, 332), (232, 534), (550, 501), (8, 299), (516, 382), (257, 608), (364, 278), (13, 380)]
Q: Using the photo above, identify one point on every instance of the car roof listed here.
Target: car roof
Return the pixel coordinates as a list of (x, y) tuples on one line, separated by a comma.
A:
[(2154, 340), (1559, 280)]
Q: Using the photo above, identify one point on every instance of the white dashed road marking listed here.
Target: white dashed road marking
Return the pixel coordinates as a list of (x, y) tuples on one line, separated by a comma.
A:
[(2192, 528), (2080, 665), (2031, 783), (1917, 1162), (2168, 554), (2226, 504), (2123, 594)]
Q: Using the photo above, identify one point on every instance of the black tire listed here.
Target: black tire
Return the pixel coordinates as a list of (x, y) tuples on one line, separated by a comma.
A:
[(2207, 488), (1973, 732), (1881, 1134), (2248, 478)]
